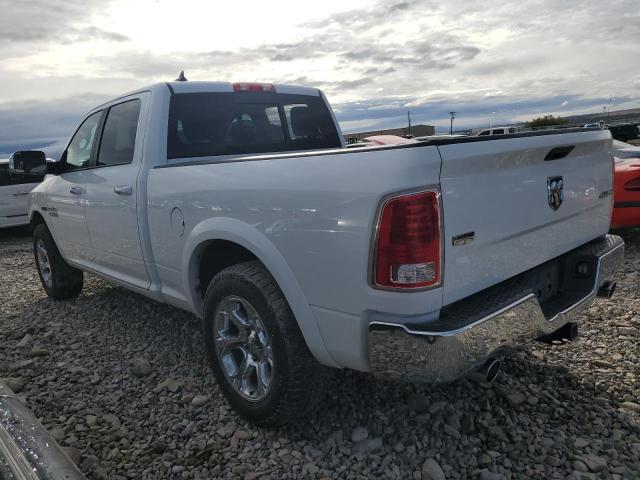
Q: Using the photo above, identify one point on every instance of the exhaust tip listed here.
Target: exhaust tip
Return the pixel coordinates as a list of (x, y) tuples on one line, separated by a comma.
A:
[(489, 371), (607, 289)]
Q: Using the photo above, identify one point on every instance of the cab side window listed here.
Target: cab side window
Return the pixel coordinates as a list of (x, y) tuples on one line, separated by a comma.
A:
[(119, 135), (79, 149)]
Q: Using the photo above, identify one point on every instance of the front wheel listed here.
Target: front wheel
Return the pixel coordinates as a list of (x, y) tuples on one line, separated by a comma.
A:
[(59, 280), (256, 350)]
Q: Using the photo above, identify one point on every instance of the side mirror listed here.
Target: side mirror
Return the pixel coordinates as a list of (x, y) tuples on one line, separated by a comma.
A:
[(30, 162), (56, 168)]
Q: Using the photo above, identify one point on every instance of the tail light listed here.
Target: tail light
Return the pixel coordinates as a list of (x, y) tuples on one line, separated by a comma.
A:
[(408, 249), (254, 87), (633, 185)]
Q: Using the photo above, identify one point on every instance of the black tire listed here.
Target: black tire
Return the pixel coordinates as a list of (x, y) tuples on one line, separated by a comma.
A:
[(297, 379), (62, 281)]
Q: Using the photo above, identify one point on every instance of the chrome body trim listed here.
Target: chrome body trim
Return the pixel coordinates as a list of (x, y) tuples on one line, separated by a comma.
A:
[(400, 351), (27, 451)]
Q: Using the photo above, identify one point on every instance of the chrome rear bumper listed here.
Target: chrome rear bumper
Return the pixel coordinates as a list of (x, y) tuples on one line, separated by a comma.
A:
[(477, 328)]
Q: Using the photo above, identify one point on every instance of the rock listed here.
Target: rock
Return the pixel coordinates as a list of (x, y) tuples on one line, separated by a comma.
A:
[(594, 463), (38, 352), (484, 460), (91, 420), (634, 407), (516, 399), (25, 341), (199, 400), (631, 331), (242, 435), (57, 434), (99, 473), (417, 402), (169, 384), (368, 445), (227, 430), (487, 475), (580, 443), (579, 466), (73, 453), (21, 365), (436, 407), (358, 434), (16, 384), (431, 470), (467, 424), (140, 367)]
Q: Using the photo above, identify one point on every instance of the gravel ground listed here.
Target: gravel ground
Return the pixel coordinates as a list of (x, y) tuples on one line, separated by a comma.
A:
[(123, 383)]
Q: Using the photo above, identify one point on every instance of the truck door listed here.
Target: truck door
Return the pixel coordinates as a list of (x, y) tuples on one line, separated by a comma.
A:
[(66, 194), (14, 190), (112, 196)]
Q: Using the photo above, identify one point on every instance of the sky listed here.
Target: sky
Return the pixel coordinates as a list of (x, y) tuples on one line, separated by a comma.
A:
[(491, 62)]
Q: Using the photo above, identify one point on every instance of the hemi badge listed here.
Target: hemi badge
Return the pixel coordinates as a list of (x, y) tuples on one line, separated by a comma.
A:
[(463, 239)]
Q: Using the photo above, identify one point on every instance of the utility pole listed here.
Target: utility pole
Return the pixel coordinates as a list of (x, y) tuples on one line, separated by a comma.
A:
[(409, 119), (453, 115)]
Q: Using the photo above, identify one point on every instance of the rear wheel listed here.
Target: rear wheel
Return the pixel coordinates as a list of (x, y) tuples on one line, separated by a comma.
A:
[(256, 350), (59, 280)]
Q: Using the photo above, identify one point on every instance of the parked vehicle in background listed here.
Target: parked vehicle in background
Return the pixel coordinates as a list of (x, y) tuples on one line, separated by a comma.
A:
[(388, 140), (15, 187), (239, 203), (625, 150), (497, 131), (624, 131), (626, 206)]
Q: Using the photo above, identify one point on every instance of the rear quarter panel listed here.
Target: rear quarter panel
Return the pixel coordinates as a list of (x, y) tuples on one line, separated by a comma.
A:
[(309, 218)]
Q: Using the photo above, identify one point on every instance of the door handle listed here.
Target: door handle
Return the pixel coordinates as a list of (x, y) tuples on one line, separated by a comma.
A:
[(123, 189), (75, 190)]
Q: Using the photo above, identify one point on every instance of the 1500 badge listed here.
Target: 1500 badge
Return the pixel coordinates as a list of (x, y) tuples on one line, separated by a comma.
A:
[(53, 212)]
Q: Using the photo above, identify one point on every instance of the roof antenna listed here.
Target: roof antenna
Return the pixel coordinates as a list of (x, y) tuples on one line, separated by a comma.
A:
[(181, 77)]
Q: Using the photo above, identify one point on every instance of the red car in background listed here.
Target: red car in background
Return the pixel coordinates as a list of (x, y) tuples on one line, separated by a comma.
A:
[(626, 189)]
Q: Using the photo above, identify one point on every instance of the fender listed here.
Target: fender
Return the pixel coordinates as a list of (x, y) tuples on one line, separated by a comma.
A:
[(232, 230)]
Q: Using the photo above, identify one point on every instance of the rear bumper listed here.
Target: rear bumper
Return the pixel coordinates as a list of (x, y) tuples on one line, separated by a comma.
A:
[(478, 327)]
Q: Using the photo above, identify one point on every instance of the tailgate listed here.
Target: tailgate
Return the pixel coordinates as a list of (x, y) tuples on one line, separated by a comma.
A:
[(499, 219)]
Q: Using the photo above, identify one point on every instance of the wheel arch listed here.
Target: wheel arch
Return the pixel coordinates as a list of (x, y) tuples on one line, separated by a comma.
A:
[(244, 242), (36, 218)]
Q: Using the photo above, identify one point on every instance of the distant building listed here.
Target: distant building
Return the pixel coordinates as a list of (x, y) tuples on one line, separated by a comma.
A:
[(416, 131)]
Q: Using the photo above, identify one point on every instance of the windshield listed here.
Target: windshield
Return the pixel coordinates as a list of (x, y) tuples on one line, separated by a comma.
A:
[(209, 124)]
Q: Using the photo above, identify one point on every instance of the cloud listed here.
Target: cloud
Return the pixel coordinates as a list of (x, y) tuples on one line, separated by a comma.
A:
[(42, 124), (374, 61), (56, 21)]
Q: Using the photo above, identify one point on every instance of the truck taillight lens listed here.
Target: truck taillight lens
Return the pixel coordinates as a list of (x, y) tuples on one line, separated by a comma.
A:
[(407, 251), (633, 185)]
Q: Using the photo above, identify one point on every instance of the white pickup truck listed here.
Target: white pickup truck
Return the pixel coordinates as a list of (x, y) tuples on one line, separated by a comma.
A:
[(15, 188), (241, 204)]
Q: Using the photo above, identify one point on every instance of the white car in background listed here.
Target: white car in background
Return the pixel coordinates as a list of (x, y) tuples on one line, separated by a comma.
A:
[(14, 191), (497, 131)]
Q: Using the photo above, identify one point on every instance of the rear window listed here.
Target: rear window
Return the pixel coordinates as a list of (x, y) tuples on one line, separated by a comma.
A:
[(209, 124)]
